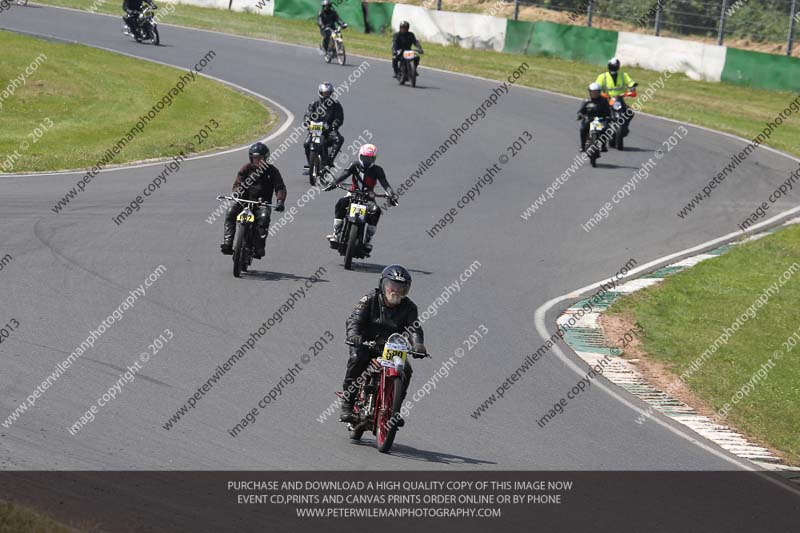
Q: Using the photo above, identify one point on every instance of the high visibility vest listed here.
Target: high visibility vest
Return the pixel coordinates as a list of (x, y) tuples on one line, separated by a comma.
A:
[(607, 83)]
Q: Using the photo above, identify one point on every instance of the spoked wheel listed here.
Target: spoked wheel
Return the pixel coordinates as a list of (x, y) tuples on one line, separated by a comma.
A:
[(156, 37), (341, 57), (316, 165), (351, 247), (238, 252), (328, 54), (389, 408)]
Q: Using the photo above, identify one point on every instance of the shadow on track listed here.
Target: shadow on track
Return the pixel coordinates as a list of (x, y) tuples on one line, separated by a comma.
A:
[(263, 275), (376, 268)]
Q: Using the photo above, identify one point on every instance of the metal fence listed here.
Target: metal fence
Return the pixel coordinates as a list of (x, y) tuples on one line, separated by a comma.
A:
[(763, 21)]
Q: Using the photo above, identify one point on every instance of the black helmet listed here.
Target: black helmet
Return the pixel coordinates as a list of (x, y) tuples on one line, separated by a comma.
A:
[(258, 149), (405, 25), (395, 284), (613, 65), (325, 89)]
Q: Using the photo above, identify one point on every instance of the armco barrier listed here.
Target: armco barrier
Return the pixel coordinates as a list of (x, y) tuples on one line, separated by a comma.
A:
[(379, 17), (351, 11), (699, 61), (443, 27), (573, 42), (765, 71)]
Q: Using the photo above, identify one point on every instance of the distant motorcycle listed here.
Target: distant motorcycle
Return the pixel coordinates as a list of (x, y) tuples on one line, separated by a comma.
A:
[(408, 67), (336, 45), (355, 223), (618, 119), (320, 159), (379, 398), (244, 243), (145, 27)]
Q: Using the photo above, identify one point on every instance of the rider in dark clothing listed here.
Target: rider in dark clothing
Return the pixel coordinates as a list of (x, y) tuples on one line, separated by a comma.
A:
[(594, 106), (402, 41), (329, 111), (133, 8), (257, 179), (327, 19), (379, 314), (365, 174)]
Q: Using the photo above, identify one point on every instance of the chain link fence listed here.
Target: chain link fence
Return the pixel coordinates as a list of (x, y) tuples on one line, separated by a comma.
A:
[(756, 21)]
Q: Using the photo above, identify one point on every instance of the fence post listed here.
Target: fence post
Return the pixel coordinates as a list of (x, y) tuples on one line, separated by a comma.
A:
[(721, 34), (516, 9), (589, 12), (230, 4), (792, 16), (659, 9), (439, 5)]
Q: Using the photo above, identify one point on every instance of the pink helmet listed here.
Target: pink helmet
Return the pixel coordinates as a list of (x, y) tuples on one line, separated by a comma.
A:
[(367, 155)]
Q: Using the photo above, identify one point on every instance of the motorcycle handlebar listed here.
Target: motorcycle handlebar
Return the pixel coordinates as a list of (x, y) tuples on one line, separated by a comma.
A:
[(373, 345), (239, 200), (376, 194)]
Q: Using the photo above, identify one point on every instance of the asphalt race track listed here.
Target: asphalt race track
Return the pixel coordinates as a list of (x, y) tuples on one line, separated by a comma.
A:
[(71, 270)]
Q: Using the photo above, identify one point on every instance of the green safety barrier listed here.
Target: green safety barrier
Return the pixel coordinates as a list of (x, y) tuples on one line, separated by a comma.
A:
[(560, 40), (765, 71), (350, 11), (379, 17)]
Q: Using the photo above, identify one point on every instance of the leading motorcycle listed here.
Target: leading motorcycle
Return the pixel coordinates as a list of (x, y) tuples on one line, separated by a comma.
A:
[(380, 393), (408, 67), (595, 139), (336, 45), (320, 159), (145, 27), (355, 223), (244, 243)]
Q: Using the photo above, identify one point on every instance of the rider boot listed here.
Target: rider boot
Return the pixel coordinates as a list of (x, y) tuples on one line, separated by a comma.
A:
[(337, 230), (227, 237), (368, 237), (348, 400)]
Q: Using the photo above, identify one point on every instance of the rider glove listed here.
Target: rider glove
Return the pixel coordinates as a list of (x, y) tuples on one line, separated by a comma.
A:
[(280, 207), (355, 340), (419, 347)]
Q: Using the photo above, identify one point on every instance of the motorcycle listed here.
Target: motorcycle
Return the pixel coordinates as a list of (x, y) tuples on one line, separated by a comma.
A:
[(380, 394), (244, 244), (145, 28), (320, 153), (355, 224), (595, 139), (337, 50), (619, 120), (408, 67)]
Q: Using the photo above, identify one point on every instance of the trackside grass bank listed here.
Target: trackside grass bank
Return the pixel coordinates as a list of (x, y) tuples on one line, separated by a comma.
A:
[(66, 106), (729, 329), (733, 109), (16, 519)]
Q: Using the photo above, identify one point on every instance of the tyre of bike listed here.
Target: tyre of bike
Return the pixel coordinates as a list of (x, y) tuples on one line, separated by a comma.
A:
[(619, 134), (341, 56), (316, 167), (238, 250), (388, 410), (156, 37), (412, 73), (352, 242), (402, 78)]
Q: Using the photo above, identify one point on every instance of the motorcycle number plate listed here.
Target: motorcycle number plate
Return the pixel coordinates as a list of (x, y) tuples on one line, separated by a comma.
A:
[(597, 125), (389, 355), (316, 126), (245, 217), (409, 54), (358, 210)]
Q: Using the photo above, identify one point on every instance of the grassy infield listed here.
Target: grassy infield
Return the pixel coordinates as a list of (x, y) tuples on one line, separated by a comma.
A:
[(681, 317)]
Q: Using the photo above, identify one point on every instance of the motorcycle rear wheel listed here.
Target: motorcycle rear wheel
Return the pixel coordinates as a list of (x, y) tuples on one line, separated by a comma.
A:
[(389, 408)]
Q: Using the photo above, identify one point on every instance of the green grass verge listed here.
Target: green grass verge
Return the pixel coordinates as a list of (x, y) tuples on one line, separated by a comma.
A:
[(16, 519), (721, 106), (683, 316), (82, 100)]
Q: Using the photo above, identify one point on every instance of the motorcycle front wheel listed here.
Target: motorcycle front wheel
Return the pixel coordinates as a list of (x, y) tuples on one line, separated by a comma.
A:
[(388, 409), (412, 73), (341, 57), (352, 239), (238, 250), (156, 37)]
